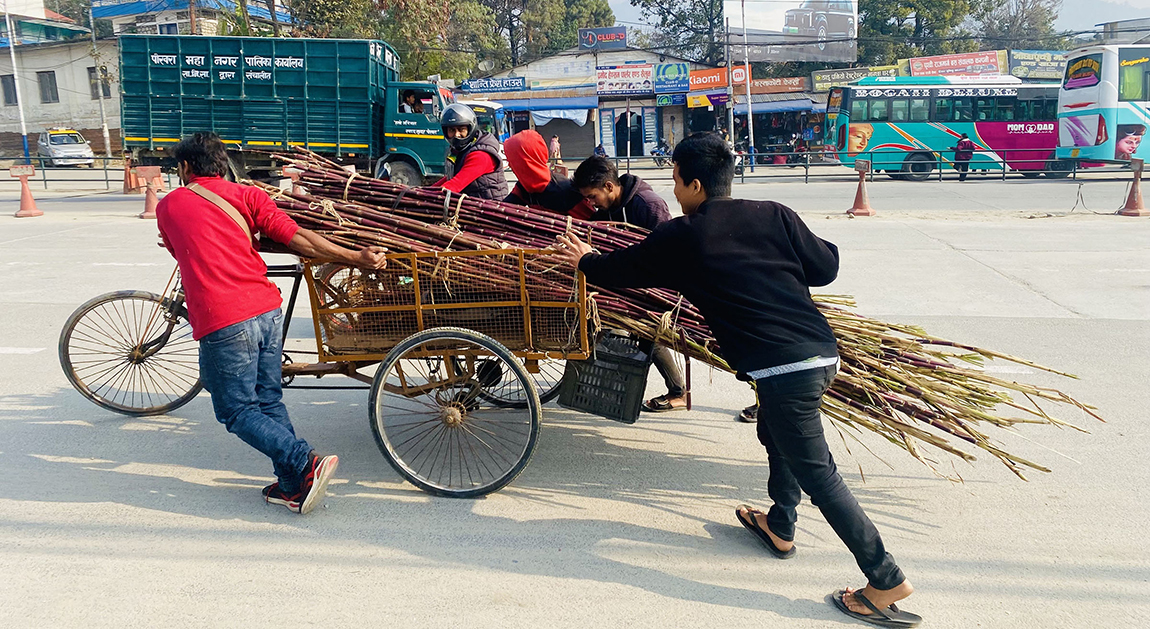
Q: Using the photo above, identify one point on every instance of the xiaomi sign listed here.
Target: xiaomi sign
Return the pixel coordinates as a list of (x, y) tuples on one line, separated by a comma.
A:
[(716, 78)]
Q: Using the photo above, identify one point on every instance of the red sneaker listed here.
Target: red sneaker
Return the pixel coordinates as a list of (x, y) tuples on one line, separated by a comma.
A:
[(274, 495), (318, 472)]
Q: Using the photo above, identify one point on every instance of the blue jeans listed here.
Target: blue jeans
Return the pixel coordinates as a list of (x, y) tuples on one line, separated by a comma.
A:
[(240, 366), (791, 429)]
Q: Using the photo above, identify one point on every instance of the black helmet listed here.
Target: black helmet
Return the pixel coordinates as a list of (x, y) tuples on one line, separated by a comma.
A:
[(457, 115)]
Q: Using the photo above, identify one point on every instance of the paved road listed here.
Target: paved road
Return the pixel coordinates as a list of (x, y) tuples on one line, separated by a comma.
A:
[(156, 522)]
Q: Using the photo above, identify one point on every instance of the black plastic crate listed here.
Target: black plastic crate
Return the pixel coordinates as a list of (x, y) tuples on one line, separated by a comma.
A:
[(612, 382)]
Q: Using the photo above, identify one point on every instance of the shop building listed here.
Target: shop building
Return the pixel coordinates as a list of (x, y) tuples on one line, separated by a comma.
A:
[(620, 99)]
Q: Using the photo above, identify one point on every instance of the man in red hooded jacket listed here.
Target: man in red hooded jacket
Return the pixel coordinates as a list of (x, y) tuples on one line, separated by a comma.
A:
[(538, 186)]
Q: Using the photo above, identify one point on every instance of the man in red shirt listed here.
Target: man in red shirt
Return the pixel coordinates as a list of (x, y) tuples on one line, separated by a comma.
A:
[(235, 312), (473, 166)]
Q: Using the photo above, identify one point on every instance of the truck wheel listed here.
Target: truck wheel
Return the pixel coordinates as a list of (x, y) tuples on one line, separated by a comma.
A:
[(404, 173)]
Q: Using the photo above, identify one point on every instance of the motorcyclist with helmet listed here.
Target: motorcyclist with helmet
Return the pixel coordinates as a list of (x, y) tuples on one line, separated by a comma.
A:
[(473, 166)]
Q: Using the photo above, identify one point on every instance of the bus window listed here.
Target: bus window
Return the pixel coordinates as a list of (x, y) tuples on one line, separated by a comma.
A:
[(963, 110), (1133, 65), (1026, 110), (984, 109), (858, 109), (1004, 108), (879, 110), (899, 108), (919, 110), (1050, 111), (1084, 71), (943, 109)]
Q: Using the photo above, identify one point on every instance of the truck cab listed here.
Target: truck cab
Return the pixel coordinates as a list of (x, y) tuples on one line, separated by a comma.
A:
[(414, 148)]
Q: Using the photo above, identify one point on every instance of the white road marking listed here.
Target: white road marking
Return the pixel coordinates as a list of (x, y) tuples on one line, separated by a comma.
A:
[(21, 350)]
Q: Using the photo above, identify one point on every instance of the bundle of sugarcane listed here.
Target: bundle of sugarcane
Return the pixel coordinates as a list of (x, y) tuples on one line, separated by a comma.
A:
[(894, 380)]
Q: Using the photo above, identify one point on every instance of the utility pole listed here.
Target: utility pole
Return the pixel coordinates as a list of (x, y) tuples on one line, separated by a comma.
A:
[(730, 86), (750, 114), (16, 79), (191, 17), (100, 84)]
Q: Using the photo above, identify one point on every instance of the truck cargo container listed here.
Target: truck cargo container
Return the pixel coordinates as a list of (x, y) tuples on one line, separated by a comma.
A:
[(340, 98)]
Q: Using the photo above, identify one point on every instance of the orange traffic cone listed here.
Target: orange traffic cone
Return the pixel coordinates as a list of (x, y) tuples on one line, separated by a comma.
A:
[(1134, 205), (131, 181), (861, 206), (27, 203), (150, 202)]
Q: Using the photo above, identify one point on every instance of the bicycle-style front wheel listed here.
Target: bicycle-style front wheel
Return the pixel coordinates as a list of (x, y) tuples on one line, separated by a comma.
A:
[(131, 352)]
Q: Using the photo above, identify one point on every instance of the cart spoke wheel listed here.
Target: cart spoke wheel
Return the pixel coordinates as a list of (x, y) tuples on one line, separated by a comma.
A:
[(434, 418), (129, 353)]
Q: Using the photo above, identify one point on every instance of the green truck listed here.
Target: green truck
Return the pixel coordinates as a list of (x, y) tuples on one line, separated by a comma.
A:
[(337, 97)]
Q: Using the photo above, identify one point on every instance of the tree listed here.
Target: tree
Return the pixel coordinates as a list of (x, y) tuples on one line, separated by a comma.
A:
[(691, 29), (537, 28), (336, 18), (1020, 24), (893, 29), (444, 37)]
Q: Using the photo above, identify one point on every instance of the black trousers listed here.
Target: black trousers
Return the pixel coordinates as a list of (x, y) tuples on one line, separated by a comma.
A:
[(963, 167), (672, 377), (791, 429)]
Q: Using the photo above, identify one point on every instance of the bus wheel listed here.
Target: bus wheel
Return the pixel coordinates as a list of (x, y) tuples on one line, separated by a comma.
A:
[(1058, 169), (894, 174), (1030, 174), (404, 173), (917, 167)]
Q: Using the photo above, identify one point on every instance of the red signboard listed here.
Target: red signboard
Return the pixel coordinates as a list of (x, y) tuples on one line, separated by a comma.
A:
[(967, 63)]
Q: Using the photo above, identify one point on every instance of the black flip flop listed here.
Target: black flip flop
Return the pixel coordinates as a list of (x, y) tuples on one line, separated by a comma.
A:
[(890, 617), (661, 405), (752, 525), (749, 415)]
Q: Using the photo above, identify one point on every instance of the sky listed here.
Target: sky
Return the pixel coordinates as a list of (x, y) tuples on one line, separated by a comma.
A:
[(1076, 15)]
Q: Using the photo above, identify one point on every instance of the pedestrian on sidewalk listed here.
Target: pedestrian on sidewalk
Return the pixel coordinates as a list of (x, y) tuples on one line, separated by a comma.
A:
[(963, 153), (234, 310), (748, 267)]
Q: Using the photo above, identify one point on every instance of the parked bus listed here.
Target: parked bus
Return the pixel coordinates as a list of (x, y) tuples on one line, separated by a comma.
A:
[(907, 126), (491, 117), (1103, 104)]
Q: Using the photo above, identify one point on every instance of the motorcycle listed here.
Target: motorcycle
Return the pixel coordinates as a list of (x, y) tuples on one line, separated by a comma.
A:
[(739, 149), (662, 154)]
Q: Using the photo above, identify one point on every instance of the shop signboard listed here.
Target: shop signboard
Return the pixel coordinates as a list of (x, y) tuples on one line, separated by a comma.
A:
[(670, 100), (707, 99), (794, 30), (1037, 65), (650, 129), (824, 80), (989, 62), (633, 79), (672, 78), (506, 84), (778, 85), (610, 38)]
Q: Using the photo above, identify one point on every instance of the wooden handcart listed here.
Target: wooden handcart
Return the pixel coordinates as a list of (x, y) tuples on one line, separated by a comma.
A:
[(467, 353)]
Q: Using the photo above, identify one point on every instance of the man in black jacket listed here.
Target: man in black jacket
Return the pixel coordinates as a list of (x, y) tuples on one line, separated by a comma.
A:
[(748, 267), (629, 199), (619, 198)]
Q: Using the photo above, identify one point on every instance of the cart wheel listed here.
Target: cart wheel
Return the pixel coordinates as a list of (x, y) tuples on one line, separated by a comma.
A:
[(500, 387), (130, 353), (433, 422)]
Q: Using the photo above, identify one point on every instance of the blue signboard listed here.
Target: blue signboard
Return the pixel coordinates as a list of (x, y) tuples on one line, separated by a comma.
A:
[(508, 84), (672, 78), (611, 38), (670, 100)]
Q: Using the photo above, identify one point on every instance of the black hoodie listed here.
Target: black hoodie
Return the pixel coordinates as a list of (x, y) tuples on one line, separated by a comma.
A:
[(640, 205), (748, 267)]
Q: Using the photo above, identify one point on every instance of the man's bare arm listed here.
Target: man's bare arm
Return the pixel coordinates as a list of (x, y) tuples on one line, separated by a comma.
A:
[(311, 245)]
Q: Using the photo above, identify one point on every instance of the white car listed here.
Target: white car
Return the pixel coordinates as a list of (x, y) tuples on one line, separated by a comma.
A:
[(65, 147)]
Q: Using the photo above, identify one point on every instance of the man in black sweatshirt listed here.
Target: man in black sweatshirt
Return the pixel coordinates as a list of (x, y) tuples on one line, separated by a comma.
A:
[(748, 267), (619, 198)]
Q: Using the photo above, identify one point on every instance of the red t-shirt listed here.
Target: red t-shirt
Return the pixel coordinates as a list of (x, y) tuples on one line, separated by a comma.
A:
[(225, 279)]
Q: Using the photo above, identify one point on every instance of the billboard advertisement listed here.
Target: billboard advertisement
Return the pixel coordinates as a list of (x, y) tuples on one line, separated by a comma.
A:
[(824, 80), (989, 62), (610, 38), (672, 78), (634, 79), (794, 30), (1037, 65)]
